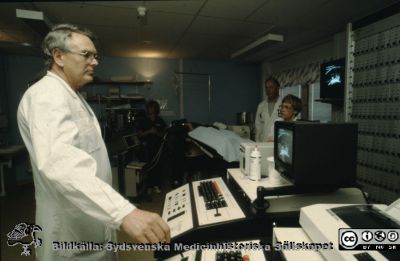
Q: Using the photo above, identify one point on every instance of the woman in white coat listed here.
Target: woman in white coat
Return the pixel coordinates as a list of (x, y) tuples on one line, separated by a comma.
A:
[(290, 108), (75, 203)]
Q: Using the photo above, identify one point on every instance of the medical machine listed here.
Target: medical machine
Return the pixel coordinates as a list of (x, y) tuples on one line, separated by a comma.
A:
[(211, 199), (246, 253), (323, 223)]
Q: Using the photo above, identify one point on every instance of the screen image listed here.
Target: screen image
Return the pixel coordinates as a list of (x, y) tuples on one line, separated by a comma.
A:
[(332, 79), (285, 143), (333, 75)]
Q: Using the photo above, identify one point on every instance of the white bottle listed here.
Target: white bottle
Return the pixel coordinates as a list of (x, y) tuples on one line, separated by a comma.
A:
[(255, 164)]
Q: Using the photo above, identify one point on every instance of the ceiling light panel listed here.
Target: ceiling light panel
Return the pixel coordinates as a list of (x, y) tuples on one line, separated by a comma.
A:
[(224, 27)]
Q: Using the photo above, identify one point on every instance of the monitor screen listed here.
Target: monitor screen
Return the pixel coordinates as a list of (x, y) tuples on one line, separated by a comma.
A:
[(285, 145), (131, 141), (332, 79), (316, 154)]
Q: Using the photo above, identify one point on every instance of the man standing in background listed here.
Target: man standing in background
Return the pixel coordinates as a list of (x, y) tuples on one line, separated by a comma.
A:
[(267, 111)]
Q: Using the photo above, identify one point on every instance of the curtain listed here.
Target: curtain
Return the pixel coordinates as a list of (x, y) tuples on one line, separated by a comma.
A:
[(299, 76)]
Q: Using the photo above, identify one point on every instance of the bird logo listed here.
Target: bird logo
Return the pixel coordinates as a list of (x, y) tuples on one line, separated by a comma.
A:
[(24, 234)]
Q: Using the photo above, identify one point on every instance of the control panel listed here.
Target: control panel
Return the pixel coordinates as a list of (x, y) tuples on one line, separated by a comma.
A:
[(214, 202), (177, 210)]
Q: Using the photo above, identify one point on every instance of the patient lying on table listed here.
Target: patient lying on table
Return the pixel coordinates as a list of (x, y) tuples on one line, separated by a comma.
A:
[(225, 142)]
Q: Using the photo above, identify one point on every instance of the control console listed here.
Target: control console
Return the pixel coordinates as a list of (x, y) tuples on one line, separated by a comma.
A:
[(202, 206), (177, 210), (222, 254)]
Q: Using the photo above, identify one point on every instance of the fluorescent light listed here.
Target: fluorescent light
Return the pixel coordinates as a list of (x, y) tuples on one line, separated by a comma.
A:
[(28, 14), (258, 42)]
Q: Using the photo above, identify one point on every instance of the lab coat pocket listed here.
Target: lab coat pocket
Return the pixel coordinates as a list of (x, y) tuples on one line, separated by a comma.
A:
[(88, 136)]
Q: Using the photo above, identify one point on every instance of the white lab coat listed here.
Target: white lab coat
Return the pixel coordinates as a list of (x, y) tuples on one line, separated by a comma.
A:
[(74, 198), (264, 122)]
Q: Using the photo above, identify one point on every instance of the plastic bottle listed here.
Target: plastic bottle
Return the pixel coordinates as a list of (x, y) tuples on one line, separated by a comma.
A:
[(255, 164)]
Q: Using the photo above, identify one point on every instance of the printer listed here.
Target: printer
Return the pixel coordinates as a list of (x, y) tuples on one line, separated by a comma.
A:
[(330, 222)]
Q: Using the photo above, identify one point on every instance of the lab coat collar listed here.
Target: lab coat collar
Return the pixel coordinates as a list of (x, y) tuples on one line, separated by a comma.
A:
[(277, 99), (76, 96), (277, 104), (64, 83)]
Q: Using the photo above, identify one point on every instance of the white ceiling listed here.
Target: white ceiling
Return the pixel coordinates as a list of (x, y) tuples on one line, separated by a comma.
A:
[(197, 29)]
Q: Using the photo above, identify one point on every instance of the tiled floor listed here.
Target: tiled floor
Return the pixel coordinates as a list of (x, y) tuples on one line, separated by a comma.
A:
[(20, 207)]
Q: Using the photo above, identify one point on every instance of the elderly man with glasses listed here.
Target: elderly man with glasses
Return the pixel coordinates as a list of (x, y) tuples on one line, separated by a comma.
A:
[(75, 203)]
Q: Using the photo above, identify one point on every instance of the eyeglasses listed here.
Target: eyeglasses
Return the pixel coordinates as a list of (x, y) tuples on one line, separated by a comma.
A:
[(89, 56)]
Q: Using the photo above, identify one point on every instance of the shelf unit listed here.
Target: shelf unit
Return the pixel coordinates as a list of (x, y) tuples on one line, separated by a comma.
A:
[(119, 97), (331, 101), (108, 99), (120, 109), (373, 101), (109, 82)]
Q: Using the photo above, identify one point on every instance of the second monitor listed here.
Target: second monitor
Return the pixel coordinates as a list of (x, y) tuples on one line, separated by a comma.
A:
[(316, 154)]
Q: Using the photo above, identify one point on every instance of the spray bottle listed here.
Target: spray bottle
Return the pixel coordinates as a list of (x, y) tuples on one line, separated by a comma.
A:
[(255, 164)]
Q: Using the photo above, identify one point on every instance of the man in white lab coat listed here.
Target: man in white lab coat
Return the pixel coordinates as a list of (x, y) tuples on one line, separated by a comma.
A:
[(75, 202), (267, 111)]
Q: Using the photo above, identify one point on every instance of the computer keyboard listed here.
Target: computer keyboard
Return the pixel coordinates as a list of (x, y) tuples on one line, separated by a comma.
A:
[(212, 194), (364, 257), (221, 254), (229, 256), (214, 202)]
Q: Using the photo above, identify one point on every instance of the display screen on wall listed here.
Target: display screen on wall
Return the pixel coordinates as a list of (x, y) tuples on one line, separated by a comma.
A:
[(332, 79)]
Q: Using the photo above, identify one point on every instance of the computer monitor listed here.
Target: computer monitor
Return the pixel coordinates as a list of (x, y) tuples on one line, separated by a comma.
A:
[(332, 79), (131, 141), (316, 154)]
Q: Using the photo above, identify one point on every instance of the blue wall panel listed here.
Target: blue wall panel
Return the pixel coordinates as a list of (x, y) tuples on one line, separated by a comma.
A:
[(235, 86)]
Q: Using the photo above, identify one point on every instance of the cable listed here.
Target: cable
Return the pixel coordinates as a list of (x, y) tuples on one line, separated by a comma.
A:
[(179, 126), (364, 193), (154, 161)]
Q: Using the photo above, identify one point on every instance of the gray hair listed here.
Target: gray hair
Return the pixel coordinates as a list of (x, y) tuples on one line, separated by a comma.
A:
[(58, 37), (294, 101)]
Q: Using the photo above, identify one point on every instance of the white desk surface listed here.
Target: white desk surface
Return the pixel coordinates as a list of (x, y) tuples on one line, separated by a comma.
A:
[(250, 186), (287, 203), (296, 235)]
